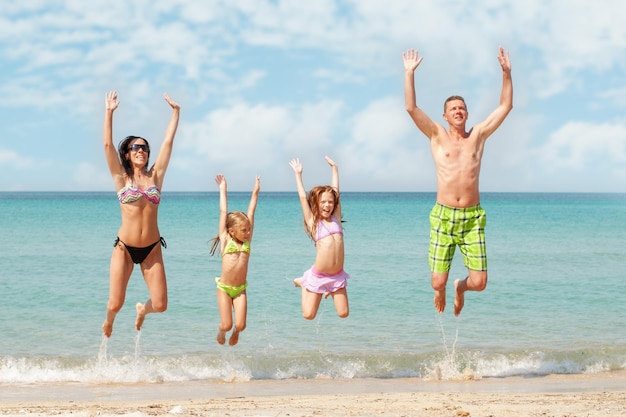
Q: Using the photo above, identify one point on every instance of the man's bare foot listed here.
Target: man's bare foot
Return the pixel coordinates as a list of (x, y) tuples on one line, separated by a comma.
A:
[(221, 337), (234, 338), (141, 315), (440, 300), (107, 328), (459, 299), (297, 282)]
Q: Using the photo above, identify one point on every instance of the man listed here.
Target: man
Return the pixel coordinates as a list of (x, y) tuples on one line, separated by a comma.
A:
[(457, 218)]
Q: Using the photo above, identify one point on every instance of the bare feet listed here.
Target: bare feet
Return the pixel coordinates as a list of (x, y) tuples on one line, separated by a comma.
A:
[(440, 300), (459, 299), (141, 315), (234, 338), (221, 337), (107, 328)]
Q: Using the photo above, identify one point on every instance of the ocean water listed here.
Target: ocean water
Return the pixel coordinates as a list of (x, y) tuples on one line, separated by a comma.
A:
[(553, 304)]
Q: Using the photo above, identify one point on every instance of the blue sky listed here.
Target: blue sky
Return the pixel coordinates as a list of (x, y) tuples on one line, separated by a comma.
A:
[(260, 82)]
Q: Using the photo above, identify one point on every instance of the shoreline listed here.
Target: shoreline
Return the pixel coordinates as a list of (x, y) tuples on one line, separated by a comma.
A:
[(571, 395)]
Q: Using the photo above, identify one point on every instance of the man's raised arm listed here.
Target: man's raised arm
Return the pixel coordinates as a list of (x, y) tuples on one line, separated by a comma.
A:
[(496, 118), (412, 60)]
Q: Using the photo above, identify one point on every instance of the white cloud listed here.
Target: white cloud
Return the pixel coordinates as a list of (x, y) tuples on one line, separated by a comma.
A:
[(576, 143), (12, 159), (391, 153), (87, 177), (615, 97), (263, 81), (246, 139)]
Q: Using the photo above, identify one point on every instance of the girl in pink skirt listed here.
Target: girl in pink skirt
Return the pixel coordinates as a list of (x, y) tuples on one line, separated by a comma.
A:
[(322, 222)]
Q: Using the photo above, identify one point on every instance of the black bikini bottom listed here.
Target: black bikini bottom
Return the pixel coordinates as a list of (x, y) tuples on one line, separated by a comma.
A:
[(138, 255)]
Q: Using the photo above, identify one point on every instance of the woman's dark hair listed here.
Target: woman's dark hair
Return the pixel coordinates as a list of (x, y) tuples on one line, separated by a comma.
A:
[(124, 148)]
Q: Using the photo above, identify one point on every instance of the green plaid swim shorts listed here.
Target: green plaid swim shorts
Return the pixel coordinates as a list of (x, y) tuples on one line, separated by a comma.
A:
[(462, 227)]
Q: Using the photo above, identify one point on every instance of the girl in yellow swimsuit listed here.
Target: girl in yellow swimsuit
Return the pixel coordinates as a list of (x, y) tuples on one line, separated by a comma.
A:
[(233, 239)]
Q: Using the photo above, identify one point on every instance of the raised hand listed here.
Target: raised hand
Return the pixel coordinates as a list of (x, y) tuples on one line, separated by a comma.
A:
[(330, 161), (170, 101), (296, 165), (220, 180), (503, 57), (110, 100), (411, 59)]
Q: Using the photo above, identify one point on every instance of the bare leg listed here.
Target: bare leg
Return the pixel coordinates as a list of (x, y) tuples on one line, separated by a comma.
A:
[(459, 298), (440, 300), (340, 299), (475, 281), (234, 338), (310, 303), (154, 276), (107, 327), (225, 307), (120, 271), (141, 315), (439, 282), (240, 306)]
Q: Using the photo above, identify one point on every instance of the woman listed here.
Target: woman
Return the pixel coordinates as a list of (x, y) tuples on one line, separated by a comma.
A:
[(139, 192)]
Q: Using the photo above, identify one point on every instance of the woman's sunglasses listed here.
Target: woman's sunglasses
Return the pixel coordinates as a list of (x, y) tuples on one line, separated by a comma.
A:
[(136, 146)]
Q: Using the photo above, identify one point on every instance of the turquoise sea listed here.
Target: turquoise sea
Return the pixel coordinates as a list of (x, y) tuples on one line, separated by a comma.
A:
[(554, 303)]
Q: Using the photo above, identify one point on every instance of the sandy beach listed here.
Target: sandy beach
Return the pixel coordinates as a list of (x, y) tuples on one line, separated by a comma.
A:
[(550, 396)]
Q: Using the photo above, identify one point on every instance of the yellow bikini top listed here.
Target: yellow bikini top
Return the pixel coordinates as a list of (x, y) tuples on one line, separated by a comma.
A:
[(231, 247)]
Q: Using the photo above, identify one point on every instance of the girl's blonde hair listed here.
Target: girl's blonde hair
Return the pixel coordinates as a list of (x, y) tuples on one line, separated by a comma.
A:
[(234, 219), (315, 194)]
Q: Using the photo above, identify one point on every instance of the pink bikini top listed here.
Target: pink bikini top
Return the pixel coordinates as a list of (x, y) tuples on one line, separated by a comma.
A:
[(323, 230), (130, 194)]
